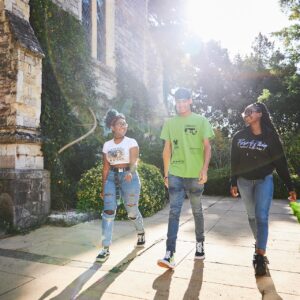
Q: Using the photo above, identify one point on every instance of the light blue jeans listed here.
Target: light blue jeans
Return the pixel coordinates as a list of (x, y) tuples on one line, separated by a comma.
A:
[(130, 193), (178, 188), (257, 196)]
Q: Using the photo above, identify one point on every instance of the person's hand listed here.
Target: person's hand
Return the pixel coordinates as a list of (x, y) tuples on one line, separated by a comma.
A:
[(166, 181), (293, 196), (234, 191), (102, 194), (128, 176), (202, 176)]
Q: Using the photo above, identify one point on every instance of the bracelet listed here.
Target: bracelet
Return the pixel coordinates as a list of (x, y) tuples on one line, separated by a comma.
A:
[(166, 177)]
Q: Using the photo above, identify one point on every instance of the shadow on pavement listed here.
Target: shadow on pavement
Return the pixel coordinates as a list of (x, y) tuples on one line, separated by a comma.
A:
[(266, 287), (195, 284), (162, 285), (76, 285), (95, 291)]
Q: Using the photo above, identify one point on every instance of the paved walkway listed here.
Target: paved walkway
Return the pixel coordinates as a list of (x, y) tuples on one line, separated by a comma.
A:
[(58, 262)]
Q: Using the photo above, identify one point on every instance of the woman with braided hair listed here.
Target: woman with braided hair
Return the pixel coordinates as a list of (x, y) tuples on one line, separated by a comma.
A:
[(255, 152), (120, 180)]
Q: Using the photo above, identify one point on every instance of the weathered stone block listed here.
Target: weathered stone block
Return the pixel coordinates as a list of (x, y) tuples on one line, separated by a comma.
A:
[(26, 196)]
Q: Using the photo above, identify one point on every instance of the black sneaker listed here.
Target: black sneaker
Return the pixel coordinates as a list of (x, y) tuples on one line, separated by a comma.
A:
[(260, 264), (168, 261), (141, 240), (103, 255), (199, 254)]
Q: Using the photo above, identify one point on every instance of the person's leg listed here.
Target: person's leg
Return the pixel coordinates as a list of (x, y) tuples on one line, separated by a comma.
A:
[(263, 195), (131, 194), (176, 196), (246, 189), (194, 191), (109, 210)]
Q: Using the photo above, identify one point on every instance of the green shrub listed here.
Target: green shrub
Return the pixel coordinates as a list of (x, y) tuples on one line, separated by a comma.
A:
[(152, 198), (218, 182)]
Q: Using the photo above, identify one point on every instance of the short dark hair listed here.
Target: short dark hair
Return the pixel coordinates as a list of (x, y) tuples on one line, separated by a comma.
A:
[(182, 93)]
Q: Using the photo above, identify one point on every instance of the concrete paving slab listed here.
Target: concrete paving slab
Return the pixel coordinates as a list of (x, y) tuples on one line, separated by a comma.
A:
[(164, 286), (230, 255), (132, 273), (10, 281), (63, 283), (25, 268)]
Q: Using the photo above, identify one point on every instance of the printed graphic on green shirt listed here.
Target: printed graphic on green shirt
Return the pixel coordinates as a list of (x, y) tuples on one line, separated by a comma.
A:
[(186, 135)]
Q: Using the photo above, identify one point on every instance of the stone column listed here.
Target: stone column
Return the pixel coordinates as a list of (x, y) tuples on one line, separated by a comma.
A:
[(24, 184)]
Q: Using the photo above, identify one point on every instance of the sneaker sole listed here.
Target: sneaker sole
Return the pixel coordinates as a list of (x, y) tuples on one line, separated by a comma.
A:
[(199, 257), (140, 246), (165, 264), (102, 260)]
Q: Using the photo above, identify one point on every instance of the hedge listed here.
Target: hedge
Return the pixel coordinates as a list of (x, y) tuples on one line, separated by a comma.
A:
[(152, 198)]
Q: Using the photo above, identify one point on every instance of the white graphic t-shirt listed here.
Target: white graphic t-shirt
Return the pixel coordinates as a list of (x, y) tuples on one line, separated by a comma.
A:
[(119, 153)]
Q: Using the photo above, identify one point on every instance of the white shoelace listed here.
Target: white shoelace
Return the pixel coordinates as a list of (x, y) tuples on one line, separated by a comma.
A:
[(168, 254), (140, 238), (104, 251), (199, 247)]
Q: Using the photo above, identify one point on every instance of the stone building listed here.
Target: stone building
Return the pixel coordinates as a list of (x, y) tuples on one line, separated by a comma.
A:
[(115, 27)]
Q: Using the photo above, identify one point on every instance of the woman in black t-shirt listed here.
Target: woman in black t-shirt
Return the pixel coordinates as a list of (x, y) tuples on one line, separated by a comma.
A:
[(255, 152)]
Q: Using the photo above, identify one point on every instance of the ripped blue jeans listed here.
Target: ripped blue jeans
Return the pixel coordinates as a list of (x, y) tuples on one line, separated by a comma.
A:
[(130, 193)]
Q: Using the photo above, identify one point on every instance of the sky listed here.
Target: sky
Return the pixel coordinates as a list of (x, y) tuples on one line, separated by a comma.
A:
[(235, 23)]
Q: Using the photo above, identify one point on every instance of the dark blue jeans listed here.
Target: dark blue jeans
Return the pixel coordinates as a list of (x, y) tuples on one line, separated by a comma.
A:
[(257, 196), (178, 188)]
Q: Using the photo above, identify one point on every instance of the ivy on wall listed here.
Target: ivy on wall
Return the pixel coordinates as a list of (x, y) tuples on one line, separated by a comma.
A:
[(68, 89)]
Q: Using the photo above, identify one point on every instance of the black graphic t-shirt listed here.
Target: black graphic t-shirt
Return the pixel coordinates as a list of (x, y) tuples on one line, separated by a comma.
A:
[(256, 156)]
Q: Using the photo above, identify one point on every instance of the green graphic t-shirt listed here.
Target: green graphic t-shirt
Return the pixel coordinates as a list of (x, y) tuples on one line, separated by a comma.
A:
[(186, 135)]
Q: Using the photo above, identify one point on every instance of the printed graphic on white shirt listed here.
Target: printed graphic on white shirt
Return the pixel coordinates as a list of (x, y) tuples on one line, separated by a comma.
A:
[(116, 154)]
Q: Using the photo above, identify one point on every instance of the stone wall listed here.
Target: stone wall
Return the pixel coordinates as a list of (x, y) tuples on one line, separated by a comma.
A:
[(154, 81), (18, 7), (20, 92), (24, 185), (25, 195), (107, 80), (72, 6), (130, 37)]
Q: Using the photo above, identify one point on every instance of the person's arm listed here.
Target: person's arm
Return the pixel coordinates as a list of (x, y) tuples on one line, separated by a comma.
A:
[(167, 153), (105, 171), (234, 160), (133, 158), (281, 166), (207, 157)]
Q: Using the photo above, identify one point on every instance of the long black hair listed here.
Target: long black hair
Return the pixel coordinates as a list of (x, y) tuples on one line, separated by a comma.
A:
[(266, 120)]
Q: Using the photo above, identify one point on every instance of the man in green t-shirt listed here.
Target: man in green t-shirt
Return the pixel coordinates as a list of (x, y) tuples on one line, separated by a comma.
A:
[(186, 157)]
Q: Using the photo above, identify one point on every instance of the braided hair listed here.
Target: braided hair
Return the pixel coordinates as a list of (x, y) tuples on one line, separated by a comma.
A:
[(111, 117)]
